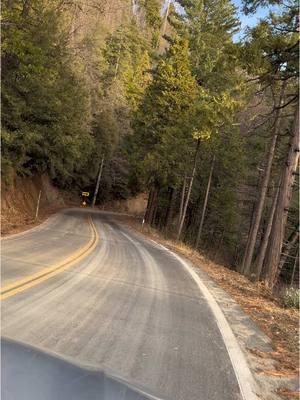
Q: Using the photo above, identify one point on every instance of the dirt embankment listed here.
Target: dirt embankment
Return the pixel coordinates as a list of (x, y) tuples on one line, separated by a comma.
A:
[(19, 202), (134, 206)]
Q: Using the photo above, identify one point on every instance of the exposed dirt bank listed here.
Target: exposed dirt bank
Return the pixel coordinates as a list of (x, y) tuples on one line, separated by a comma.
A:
[(19, 202), (134, 206)]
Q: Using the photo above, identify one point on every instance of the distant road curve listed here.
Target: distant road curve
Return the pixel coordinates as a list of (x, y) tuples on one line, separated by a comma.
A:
[(121, 303)]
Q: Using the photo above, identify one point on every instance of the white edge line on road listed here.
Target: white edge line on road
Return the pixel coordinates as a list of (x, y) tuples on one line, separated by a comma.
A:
[(243, 374)]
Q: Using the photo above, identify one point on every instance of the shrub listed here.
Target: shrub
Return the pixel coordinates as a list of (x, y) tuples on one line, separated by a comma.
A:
[(291, 298)]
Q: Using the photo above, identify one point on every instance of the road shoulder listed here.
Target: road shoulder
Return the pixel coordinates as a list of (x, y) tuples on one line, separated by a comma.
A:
[(273, 367)]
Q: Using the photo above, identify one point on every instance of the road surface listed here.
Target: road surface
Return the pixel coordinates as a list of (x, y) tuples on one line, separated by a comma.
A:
[(85, 287)]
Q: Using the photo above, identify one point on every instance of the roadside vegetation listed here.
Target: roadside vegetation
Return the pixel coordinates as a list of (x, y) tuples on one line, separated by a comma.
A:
[(177, 106)]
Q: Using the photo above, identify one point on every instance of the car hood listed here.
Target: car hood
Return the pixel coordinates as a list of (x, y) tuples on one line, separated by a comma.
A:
[(29, 373)]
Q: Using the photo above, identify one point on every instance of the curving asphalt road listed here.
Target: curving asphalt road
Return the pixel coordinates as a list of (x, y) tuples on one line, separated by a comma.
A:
[(126, 306)]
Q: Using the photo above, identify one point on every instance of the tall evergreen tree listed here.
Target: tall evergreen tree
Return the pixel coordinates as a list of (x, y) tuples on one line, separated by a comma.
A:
[(273, 51), (164, 121), (45, 107), (209, 27)]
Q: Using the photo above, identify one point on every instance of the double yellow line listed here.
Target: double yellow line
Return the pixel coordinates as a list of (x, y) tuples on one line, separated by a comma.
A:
[(46, 273)]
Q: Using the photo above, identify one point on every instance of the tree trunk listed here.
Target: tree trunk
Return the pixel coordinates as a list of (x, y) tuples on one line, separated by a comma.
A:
[(146, 218), (26, 8), (257, 268), (280, 217), (188, 193), (149, 211), (264, 187), (181, 201), (219, 246), (240, 266), (98, 182), (170, 208), (166, 18), (253, 211), (205, 202), (294, 268), (287, 248), (154, 207)]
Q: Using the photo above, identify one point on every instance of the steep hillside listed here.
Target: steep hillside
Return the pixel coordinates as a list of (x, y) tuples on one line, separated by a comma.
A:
[(19, 201)]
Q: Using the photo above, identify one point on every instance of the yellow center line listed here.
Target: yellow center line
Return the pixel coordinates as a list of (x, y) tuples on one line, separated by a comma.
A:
[(46, 273)]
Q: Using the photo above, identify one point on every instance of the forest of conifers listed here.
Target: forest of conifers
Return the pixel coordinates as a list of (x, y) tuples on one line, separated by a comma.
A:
[(177, 103)]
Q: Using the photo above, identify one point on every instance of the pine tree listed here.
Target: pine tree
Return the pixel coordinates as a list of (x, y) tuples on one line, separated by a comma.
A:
[(45, 107), (209, 27), (164, 120), (272, 49)]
